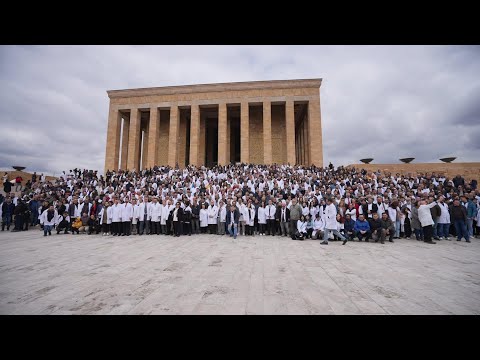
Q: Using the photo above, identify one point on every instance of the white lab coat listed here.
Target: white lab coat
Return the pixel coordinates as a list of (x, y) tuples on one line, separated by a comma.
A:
[(392, 214), (212, 214), (155, 212), (330, 217), (165, 212), (270, 212), (301, 226), (44, 218), (203, 218), (353, 213), (262, 218), (127, 212), (222, 213), (424, 214), (251, 216), (136, 213), (318, 225), (117, 213), (444, 217), (141, 211)]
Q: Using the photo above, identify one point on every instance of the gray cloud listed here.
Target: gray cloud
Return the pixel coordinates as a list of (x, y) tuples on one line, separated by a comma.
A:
[(385, 102)]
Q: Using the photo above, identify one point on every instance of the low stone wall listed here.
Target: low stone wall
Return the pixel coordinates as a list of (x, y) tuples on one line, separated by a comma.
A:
[(469, 171), (25, 176)]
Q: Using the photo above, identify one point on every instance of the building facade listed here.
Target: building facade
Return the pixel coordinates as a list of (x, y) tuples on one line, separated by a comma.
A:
[(260, 122)]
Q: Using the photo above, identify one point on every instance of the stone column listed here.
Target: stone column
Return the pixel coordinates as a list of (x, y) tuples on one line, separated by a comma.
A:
[(125, 139), (194, 135), (315, 133), (133, 160), (267, 132), (222, 134), (244, 133), (112, 151), (173, 136), (153, 137), (290, 131)]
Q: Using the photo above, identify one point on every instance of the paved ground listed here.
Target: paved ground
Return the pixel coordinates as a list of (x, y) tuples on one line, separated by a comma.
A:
[(81, 274)]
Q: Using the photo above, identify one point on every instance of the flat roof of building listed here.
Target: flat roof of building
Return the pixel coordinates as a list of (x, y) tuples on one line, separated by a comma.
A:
[(232, 86)]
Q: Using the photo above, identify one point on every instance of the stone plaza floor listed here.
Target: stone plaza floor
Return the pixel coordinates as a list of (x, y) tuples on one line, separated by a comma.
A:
[(205, 274)]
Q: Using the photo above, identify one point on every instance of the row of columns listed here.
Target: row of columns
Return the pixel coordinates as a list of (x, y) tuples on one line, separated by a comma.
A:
[(132, 136)]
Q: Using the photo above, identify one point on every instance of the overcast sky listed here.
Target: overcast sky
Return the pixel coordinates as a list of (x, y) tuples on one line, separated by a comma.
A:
[(384, 102)]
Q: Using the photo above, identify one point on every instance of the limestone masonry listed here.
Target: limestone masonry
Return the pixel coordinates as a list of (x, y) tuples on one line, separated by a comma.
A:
[(252, 122)]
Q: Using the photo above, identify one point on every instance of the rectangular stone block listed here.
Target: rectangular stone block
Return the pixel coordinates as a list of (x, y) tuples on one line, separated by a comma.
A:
[(222, 134), (173, 136), (112, 151), (153, 137), (133, 159)]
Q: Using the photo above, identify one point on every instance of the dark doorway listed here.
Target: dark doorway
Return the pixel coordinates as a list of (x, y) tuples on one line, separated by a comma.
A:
[(211, 140), (234, 140)]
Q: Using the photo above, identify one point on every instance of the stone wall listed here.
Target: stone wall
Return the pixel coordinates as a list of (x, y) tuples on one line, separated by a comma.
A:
[(469, 171), (279, 135), (256, 134), (164, 131)]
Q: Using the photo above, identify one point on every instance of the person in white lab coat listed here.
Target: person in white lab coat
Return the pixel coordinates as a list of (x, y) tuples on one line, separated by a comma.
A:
[(212, 217), (301, 228), (203, 219), (331, 223), (136, 215), (155, 216), (262, 218), (48, 219), (127, 215), (222, 214), (318, 227), (117, 218)]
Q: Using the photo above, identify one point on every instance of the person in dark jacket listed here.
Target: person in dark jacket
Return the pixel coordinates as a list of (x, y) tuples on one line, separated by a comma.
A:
[(348, 226), (458, 215), (7, 187), (376, 229), (93, 225), (233, 216), (64, 223), (195, 217), (187, 219), (369, 208), (435, 212), (177, 217), (388, 226), (34, 205), (282, 217), (7, 212), (362, 228), (19, 213)]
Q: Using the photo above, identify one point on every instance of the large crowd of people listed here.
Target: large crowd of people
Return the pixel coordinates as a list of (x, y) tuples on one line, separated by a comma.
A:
[(297, 202)]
